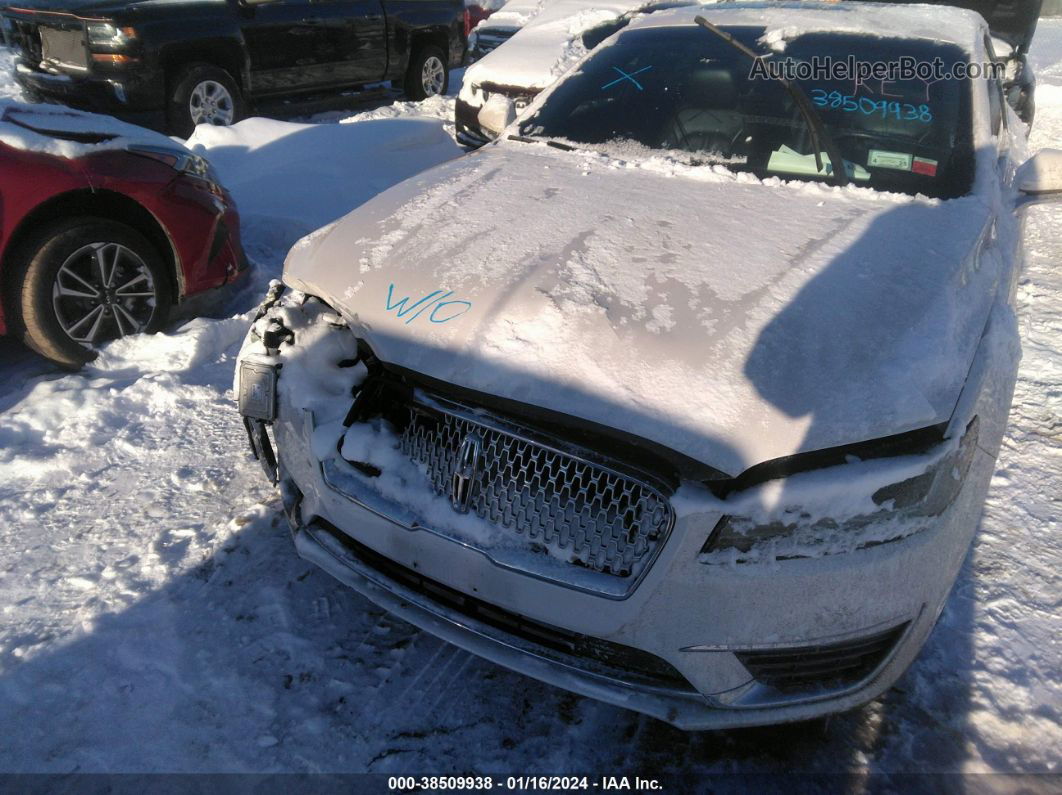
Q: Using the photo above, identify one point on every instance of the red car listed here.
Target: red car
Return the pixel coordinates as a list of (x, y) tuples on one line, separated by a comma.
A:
[(104, 229)]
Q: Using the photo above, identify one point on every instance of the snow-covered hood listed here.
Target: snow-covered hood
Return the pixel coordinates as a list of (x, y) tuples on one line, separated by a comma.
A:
[(67, 132), (546, 46), (731, 320), (513, 15)]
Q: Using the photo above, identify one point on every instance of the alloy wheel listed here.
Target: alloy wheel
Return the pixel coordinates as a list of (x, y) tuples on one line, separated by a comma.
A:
[(211, 103), (103, 291), (433, 76)]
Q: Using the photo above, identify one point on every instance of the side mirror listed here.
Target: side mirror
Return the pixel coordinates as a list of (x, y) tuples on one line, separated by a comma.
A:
[(1041, 174)]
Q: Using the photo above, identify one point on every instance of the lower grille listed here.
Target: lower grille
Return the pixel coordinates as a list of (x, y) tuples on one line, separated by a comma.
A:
[(590, 654), (580, 511), (827, 665)]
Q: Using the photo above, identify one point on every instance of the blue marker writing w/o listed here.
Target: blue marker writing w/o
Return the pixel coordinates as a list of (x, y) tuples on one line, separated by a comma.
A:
[(400, 308), (443, 317), (624, 76), (434, 300)]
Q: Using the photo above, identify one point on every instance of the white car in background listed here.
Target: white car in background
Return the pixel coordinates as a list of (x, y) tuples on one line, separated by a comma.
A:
[(685, 394), (541, 41), (501, 26)]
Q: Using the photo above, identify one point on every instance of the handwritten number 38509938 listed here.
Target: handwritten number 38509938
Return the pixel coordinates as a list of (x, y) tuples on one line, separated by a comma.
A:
[(902, 111)]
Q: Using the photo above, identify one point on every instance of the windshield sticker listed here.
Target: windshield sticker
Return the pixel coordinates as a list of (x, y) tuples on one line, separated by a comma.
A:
[(789, 161), (902, 111), (877, 158), (624, 76), (923, 165), (441, 310)]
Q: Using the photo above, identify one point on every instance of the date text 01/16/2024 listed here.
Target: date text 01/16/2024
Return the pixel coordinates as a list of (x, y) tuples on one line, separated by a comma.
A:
[(523, 783)]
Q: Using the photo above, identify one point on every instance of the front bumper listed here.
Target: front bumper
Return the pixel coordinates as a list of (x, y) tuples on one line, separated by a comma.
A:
[(479, 123), (703, 622), (128, 99), (697, 621)]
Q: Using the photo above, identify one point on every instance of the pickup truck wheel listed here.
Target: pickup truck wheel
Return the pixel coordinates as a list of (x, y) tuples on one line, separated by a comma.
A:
[(202, 94), (81, 282), (428, 74)]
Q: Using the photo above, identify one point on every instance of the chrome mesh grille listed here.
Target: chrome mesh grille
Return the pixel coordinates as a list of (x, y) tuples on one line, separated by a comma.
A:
[(582, 512)]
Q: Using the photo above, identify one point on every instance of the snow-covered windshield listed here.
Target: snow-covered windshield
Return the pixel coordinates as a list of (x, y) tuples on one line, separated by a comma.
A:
[(685, 90)]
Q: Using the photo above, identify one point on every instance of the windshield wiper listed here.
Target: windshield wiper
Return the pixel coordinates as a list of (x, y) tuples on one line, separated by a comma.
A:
[(547, 141), (820, 138)]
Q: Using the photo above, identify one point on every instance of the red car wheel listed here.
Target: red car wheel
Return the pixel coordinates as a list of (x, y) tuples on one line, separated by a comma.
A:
[(86, 281)]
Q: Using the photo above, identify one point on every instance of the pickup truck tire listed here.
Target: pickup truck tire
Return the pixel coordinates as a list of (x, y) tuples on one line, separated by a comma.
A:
[(202, 93), (428, 74), (82, 281)]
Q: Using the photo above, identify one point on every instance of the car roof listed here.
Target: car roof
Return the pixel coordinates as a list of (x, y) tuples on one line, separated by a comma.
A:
[(786, 20)]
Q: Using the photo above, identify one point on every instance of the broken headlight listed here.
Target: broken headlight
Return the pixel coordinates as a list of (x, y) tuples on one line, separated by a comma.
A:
[(107, 34), (904, 508)]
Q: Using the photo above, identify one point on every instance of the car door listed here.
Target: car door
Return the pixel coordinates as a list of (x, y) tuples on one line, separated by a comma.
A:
[(353, 35), (285, 44)]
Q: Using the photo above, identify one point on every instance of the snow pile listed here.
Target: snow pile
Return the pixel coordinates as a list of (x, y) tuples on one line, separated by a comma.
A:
[(298, 177), (406, 484), (439, 107), (9, 89), (319, 374)]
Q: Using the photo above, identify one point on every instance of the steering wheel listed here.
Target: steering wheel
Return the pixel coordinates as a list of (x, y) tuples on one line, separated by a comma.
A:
[(701, 140)]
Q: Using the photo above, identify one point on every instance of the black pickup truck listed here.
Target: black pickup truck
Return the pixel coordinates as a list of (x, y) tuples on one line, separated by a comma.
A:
[(171, 64)]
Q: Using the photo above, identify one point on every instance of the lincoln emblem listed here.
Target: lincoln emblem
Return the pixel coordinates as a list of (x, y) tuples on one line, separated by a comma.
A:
[(465, 472)]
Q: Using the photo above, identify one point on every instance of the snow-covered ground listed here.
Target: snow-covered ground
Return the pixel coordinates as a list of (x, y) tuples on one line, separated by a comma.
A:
[(156, 618)]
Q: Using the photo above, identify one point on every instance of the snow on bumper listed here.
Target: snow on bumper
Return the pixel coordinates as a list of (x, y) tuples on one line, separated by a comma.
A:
[(703, 641)]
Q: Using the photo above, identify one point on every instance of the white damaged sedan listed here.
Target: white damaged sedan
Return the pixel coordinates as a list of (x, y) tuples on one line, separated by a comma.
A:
[(686, 393)]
